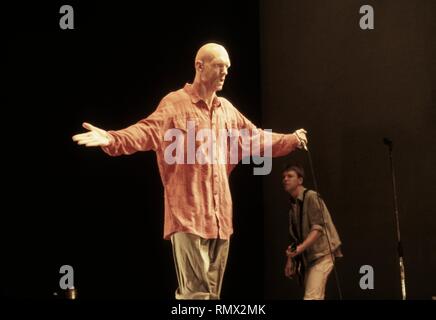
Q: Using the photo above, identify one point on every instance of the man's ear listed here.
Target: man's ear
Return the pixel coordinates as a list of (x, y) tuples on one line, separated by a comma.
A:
[(199, 65), (300, 180)]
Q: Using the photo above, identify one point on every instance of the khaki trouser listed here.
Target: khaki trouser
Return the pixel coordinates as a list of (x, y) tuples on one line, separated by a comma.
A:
[(316, 278), (200, 265)]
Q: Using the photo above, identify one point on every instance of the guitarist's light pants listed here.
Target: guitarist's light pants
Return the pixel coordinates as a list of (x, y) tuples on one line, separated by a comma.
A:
[(316, 278)]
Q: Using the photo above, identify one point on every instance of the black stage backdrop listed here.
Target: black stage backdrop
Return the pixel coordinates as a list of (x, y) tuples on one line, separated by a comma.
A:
[(350, 88), (294, 65)]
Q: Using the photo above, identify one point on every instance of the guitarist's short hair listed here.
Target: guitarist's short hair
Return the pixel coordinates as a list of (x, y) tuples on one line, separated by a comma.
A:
[(295, 167)]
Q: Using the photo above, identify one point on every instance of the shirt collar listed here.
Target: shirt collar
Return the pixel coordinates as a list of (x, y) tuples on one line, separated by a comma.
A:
[(299, 197), (195, 97)]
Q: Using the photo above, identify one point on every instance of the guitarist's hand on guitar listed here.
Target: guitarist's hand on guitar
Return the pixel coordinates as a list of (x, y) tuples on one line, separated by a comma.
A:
[(292, 253), (294, 264)]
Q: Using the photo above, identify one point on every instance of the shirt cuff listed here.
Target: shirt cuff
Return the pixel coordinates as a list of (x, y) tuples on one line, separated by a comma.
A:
[(108, 148), (317, 227), (291, 141)]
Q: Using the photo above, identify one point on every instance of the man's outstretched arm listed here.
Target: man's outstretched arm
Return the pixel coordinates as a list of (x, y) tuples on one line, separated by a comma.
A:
[(281, 144), (142, 136)]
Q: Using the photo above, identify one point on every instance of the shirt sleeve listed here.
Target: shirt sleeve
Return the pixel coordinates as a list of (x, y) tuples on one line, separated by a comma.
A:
[(143, 136), (280, 144), (315, 211)]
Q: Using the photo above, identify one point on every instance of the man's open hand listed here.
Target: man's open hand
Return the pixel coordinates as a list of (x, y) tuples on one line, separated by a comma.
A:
[(95, 137)]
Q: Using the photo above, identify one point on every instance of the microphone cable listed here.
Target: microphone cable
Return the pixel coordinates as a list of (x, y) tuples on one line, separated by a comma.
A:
[(338, 285)]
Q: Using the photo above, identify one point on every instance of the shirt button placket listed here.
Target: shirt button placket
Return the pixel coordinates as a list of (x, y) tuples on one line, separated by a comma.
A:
[(214, 170)]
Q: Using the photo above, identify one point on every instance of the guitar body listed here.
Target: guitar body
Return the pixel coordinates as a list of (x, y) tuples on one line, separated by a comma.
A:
[(298, 266), (299, 269)]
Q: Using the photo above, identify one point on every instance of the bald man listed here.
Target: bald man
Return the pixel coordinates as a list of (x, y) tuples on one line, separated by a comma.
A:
[(198, 204)]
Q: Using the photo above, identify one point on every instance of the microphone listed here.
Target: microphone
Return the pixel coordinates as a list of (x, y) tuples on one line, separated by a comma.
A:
[(387, 142), (303, 142)]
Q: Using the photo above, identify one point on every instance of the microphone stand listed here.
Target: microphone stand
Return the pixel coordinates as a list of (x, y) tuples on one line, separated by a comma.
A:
[(389, 143)]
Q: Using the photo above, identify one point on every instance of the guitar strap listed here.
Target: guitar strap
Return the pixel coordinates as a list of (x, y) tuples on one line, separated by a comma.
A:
[(298, 260), (300, 234)]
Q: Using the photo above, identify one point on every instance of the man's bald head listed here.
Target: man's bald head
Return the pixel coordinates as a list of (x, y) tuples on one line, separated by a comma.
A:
[(211, 65), (209, 51)]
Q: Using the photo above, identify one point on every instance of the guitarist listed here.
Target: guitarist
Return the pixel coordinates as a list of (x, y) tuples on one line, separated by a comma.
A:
[(309, 256)]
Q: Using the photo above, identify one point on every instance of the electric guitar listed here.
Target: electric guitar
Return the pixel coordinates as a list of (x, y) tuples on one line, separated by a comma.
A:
[(298, 268)]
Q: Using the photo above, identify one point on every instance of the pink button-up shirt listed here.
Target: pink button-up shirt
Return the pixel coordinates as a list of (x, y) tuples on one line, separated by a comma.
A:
[(197, 195)]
